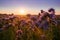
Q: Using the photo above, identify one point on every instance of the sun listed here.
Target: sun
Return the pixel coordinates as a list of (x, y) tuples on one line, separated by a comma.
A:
[(22, 12)]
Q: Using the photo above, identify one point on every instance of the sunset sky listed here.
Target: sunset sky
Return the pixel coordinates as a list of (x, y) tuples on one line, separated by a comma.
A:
[(29, 6)]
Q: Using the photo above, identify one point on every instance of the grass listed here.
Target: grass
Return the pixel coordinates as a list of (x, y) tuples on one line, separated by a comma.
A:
[(53, 32)]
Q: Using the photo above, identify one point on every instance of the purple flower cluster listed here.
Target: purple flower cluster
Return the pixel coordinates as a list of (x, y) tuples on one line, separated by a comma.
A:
[(33, 18), (19, 34), (34, 21), (23, 23)]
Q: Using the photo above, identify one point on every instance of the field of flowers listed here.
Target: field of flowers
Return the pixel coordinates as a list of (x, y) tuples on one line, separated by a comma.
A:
[(13, 27)]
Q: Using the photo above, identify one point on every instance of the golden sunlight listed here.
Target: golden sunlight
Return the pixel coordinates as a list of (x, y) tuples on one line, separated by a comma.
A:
[(22, 12)]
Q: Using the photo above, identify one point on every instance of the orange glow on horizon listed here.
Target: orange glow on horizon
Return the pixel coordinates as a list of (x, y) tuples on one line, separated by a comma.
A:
[(23, 11)]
